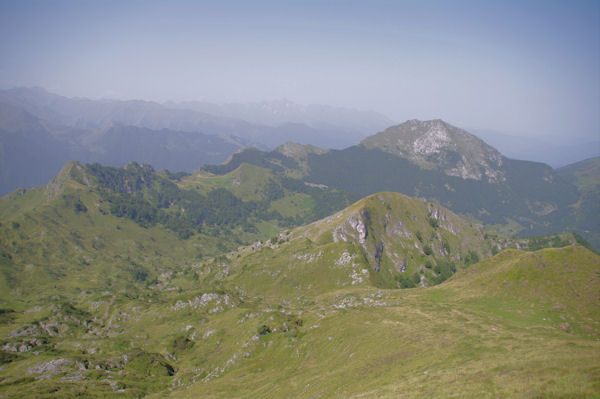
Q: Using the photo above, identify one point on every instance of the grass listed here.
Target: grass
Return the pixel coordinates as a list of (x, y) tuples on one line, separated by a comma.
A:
[(245, 182), (125, 306), (415, 347), (293, 205), (460, 339)]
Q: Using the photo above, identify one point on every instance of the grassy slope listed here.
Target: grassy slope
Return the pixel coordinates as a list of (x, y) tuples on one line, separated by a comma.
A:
[(55, 249), (532, 200), (473, 336), (248, 182), (76, 297), (586, 176), (245, 182), (331, 246)]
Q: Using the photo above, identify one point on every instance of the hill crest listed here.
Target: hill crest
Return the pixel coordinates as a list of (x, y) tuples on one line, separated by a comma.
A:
[(435, 144)]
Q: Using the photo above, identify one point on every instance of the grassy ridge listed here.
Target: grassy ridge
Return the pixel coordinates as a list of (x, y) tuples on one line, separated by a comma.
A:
[(525, 198), (463, 338), (97, 305), (444, 341)]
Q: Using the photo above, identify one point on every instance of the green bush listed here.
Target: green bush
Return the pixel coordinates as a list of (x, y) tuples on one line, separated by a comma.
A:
[(138, 272), (416, 278), (148, 364), (263, 330), (181, 343), (446, 247), (403, 281), (419, 236), (471, 258)]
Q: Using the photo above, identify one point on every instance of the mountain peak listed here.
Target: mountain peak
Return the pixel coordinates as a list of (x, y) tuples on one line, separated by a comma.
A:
[(72, 173), (436, 144), (396, 235)]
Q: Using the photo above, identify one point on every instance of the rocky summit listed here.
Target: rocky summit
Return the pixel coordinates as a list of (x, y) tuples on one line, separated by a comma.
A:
[(436, 144)]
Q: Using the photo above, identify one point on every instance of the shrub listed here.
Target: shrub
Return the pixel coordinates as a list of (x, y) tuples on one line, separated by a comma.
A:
[(446, 247), (471, 258), (419, 236), (263, 330), (434, 223), (444, 270), (180, 344), (404, 281), (79, 207), (416, 278), (138, 272)]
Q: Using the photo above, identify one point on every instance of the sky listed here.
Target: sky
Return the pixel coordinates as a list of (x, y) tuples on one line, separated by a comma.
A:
[(523, 67)]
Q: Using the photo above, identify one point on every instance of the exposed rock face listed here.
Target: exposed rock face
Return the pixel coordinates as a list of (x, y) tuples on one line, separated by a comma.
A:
[(437, 145), (432, 142), (48, 369), (218, 302), (353, 229)]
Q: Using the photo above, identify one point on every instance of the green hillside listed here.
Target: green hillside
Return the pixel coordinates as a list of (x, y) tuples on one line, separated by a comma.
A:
[(102, 298), (586, 176), (429, 342), (452, 340), (134, 220), (438, 162), (564, 278)]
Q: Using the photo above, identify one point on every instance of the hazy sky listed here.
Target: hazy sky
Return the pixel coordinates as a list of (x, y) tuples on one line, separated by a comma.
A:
[(526, 67)]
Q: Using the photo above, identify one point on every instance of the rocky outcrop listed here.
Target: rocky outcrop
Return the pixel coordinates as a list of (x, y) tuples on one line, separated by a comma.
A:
[(435, 144), (353, 229)]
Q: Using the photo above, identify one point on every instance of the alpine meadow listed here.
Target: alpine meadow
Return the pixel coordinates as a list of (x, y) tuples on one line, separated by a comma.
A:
[(336, 199)]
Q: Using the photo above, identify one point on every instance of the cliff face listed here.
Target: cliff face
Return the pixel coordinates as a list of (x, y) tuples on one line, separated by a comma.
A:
[(435, 144)]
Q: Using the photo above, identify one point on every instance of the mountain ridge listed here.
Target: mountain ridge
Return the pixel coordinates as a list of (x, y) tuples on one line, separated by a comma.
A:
[(34, 150), (93, 114), (426, 159), (282, 111), (98, 300), (520, 197)]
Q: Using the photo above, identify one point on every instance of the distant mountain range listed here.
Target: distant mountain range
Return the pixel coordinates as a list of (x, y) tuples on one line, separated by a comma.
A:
[(283, 112), (267, 124), (41, 131), (34, 150)]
